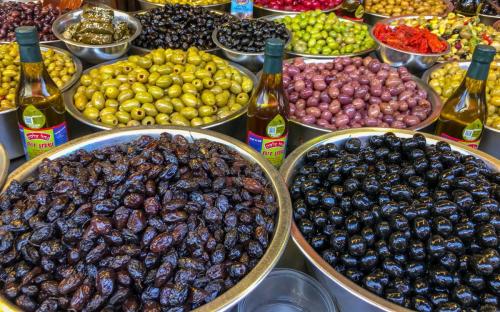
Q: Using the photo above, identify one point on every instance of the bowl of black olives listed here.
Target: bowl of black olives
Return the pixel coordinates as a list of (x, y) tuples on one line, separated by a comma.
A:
[(397, 220), (243, 41)]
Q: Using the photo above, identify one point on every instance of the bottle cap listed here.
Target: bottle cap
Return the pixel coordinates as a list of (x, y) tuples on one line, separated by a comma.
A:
[(484, 53), (274, 47), (26, 35)]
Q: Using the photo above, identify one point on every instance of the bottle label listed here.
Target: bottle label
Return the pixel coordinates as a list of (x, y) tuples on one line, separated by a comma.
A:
[(272, 148), (39, 141), (473, 144), (242, 8)]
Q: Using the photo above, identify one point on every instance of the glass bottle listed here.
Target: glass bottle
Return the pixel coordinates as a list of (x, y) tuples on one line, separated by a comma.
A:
[(352, 9), (40, 107), (267, 125), (464, 113)]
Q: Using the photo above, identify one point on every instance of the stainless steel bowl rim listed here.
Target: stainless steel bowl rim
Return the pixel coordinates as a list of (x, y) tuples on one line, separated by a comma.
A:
[(436, 103), (426, 77), (490, 16), (203, 6), (321, 56), (4, 165), (388, 21), (288, 170), (276, 11), (75, 113), (71, 82), (144, 50), (283, 219), (224, 48), (78, 12)]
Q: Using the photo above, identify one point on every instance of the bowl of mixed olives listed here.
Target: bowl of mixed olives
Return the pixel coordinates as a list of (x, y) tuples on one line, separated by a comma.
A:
[(166, 87), (196, 221), (316, 34), (64, 69), (218, 5), (396, 220)]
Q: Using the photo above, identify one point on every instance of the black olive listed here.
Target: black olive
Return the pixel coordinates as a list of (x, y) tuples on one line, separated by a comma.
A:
[(444, 207), (415, 269), (319, 242), (332, 148), (336, 216), (319, 218), (421, 304), (449, 307), (373, 283), (421, 286), (338, 240), (465, 230), (442, 226), (329, 256), (495, 222), (376, 141), (438, 298), (312, 197), (354, 275), (382, 249), (402, 285), (305, 170), (392, 268), (462, 199), (383, 229), (353, 145), (357, 245), (352, 224), (398, 241), (368, 236), (389, 209), (360, 201), (299, 209), (395, 296), (436, 246), (449, 261), (486, 236), (480, 214), (369, 260), (417, 250), (368, 217), (349, 260), (420, 164), (306, 227), (474, 281), (421, 227), (488, 298)]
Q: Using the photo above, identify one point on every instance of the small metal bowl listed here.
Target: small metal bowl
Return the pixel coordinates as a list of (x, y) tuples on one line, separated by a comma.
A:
[(230, 125), (301, 132), (351, 296), (223, 7), (252, 61), (415, 62), (491, 136), (489, 19), (277, 241), (260, 11), (96, 54), (320, 56), (9, 133)]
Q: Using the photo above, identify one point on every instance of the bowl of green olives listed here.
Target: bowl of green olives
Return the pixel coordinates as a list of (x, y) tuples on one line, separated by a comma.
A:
[(333, 36), (349, 220), (189, 88)]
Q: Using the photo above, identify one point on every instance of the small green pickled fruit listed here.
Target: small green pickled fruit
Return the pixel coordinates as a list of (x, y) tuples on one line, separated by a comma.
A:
[(174, 91), (133, 123), (189, 112), (153, 78), (125, 86), (158, 57), (247, 85), (138, 87), (242, 98), (198, 84), (164, 106), (111, 92), (111, 103), (128, 105), (224, 83), (123, 117), (165, 69), (208, 119), (148, 121), (235, 87), (144, 62), (196, 122), (107, 111), (164, 82), (162, 119), (179, 120), (80, 102), (91, 113), (222, 98), (98, 100), (208, 97), (85, 80), (156, 92), (187, 77), (189, 100), (235, 107), (110, 120), (216, 90), (125, 95), (150, 109), (206, 110), (138, 113), (208, 83), (178, 104), (144, 97), (189, 88)]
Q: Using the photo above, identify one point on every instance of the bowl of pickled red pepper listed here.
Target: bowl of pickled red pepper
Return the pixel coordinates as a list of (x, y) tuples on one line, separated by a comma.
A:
[(413, 47)]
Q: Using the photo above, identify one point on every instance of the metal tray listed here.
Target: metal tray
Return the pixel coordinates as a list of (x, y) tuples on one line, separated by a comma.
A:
[(491, 136), (224, 7), (350, 296), (9, 133), (320, 56), (230, 125), (280, 237), (300, 132)]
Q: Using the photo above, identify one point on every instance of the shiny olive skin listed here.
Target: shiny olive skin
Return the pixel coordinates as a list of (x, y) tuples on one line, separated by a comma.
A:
[(200, 87), (425, 242)]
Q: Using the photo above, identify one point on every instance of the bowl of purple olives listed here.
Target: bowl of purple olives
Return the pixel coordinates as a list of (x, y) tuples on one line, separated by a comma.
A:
[(397, 220), (354, 92), (144, 219)]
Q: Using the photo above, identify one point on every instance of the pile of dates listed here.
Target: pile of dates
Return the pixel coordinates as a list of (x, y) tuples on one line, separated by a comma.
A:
[(415, 223), (152, 225), (354, 92)]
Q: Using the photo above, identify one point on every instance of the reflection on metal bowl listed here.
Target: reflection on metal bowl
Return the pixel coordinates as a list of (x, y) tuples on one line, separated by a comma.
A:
[(278, 242), (96, 54), (350, 296)]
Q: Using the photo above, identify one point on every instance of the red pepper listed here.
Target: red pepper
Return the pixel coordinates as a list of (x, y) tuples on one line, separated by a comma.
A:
[(487, 38), (411, 39)]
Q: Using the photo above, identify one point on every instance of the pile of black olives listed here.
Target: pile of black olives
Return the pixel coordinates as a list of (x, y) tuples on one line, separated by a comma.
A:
[(151, 225), (417, 224), (250, 35), (179, 27)]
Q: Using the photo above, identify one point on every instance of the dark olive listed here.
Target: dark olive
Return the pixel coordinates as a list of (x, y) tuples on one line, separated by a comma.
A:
[(436, 246)]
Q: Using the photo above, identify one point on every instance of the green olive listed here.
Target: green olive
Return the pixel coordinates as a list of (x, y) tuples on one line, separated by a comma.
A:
[(164, 81), (109, 119), (144, 62), (111, 103), (141, 75), (111, 92), (203, 73), (164, 106), (91, 113), (222, 98), (189, 88), (125, 95), (198, 84), (187, 77), (80, 102), (138, 113), (235, 107), (138, 87), (189, 112), (153, 78), (179, 120), (150, 109), (216, 90), (165, 70), (208, 119), (208, 98), (124, 86), (235, 87), (123, 117), (128, 105), (176, 79), (206, 110), (85, 80), (196, 122), (133, 123), (242, 98), (247, 85), (174, 91), (90, 91), (110, 83), (189, 100), (178, 69), (177, 104), (162, 119), (193, 58), (224, 83), (156, 92), (148, 121), (98, 100), (158, 57), (144, 97)]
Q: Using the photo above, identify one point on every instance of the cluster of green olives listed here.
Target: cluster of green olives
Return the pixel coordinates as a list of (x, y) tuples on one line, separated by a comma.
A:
[(60, 67), (166, 87)]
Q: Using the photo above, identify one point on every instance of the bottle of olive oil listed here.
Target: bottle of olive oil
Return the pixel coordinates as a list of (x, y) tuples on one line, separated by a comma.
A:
[(464, 113), (40, 107), (267, 125)]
